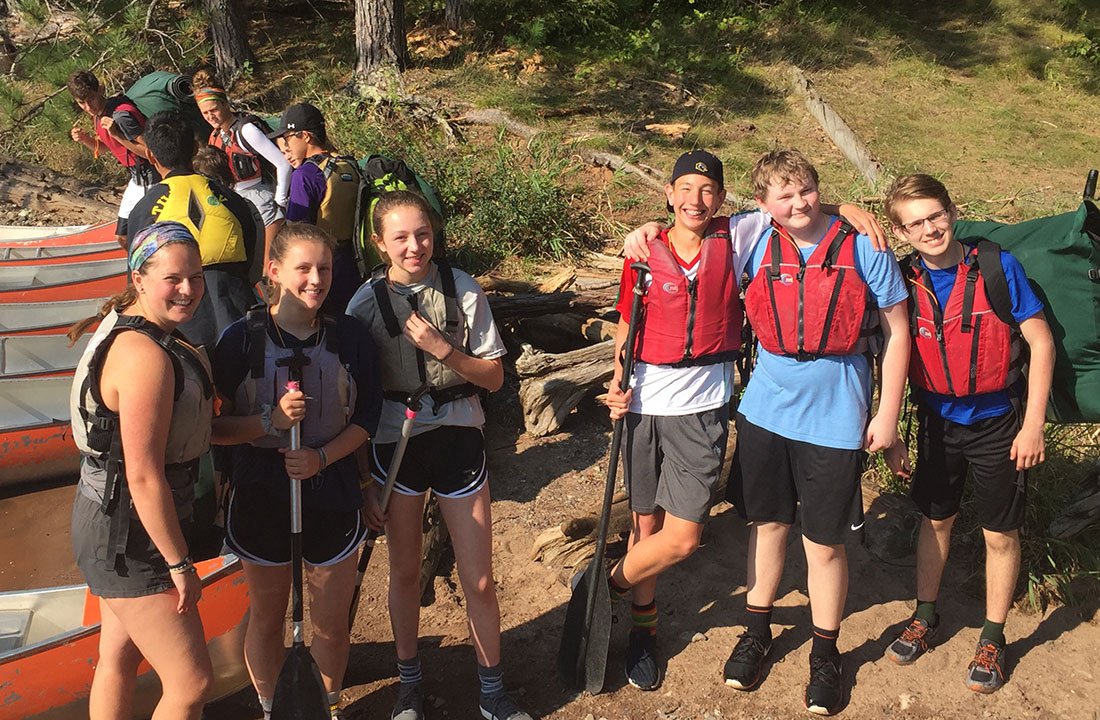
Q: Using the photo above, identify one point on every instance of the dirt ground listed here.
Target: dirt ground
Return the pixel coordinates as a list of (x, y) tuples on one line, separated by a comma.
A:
[(537, 483)]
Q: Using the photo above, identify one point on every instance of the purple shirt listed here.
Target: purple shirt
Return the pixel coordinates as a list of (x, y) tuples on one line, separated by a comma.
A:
[(307, 190)]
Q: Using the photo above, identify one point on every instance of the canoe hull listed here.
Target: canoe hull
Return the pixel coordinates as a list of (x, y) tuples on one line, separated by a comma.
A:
[(51, 680), (36, 439), (52, 237)]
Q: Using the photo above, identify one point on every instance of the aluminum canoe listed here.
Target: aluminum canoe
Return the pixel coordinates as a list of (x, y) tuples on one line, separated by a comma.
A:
[(27, 356), (36, 232), (71, 281), (54, 237), (45, 318), (36, 440), (49, 645), (15, 256)]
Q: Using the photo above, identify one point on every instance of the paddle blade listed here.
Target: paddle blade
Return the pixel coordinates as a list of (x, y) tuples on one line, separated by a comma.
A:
[(571, 649), (599, 638), (299, 692)]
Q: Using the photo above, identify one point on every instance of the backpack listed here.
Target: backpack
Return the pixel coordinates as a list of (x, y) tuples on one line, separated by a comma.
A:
[(267, 170), (159, 91), (1061, 256), (383, 174), (340, 211)]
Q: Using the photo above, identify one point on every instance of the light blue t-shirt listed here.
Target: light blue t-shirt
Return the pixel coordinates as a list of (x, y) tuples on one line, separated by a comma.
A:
[(825, 401), (1026, 304)]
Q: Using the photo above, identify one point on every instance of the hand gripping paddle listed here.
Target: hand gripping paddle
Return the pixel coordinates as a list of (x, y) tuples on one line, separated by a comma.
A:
[(582, 655)]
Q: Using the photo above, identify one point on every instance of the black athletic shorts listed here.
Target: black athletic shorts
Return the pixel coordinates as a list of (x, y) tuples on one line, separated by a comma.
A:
[(449, 460), (775, 479), (257, 528), (945, 450)]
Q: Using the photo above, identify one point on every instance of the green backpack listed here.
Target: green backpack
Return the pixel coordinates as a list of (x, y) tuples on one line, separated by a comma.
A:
[(159, 91), (1061, 255)]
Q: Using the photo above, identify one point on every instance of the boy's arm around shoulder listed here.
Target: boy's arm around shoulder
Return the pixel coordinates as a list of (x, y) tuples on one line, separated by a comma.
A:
[(1028, 448)]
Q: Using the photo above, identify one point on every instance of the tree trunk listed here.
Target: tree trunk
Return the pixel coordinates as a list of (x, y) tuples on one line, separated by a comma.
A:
[(452, 15), (7, 47), (380, 43), (227, 27)]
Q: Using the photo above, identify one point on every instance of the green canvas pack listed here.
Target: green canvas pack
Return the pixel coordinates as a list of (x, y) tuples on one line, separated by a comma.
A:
[(1061, 255), (161, 90)]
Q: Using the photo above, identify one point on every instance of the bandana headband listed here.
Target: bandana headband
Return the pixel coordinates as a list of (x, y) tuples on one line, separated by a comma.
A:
[(153, 238), (211, 94)]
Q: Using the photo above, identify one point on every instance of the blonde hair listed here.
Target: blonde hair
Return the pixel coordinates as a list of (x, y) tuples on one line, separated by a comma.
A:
[(296, 232), (781, 167), (918, 186)]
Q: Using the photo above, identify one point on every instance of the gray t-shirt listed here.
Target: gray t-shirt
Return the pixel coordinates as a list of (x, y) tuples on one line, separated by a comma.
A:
[(484, 342)]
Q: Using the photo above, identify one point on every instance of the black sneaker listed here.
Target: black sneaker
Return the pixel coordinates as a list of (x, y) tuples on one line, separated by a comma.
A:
[(825, 690), (410, 703), (913, 641), (501, 707), (746, 662), (986, 673), (642, 668)]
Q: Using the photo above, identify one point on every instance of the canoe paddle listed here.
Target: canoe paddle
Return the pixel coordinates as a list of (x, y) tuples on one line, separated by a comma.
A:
[(299, 692), (412, 406), (582, 655)]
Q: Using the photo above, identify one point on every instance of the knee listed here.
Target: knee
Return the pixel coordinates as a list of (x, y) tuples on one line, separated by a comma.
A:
[(122, 658), (1001, 543), (192, 690), (681, 547), (941, 527), (266, 619), (405, 578), (825, 554), (480, 589)]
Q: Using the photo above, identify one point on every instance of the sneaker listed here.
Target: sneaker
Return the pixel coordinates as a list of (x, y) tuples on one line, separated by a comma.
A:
[(912, 643), (986, 673), (410, 703), (501, 707), (746, 662), (825, 689), (642, 668)]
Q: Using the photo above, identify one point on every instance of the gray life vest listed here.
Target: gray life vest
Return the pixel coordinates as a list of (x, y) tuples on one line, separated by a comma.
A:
[(96, 428), (325, 380), (404, 367)]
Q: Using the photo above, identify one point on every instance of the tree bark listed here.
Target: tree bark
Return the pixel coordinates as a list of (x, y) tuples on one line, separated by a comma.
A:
[(230, 36), (452, 15), (380, 43)]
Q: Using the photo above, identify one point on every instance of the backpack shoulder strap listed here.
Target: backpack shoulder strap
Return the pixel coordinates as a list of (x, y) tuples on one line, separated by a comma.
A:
[(256, 339), (332, 335), (450, 296), (996, 284), (382, 300)]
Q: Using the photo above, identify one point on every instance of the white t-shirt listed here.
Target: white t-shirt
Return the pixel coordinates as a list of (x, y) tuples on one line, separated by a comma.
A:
[(484, 342), (668, 391)]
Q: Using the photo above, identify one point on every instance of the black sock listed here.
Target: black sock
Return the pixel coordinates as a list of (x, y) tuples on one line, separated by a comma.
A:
[(993, 631), (825, 642), (759, 620), (926, 611)]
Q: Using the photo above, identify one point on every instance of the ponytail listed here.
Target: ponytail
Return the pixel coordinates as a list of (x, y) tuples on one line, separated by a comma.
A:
[(119, 302)]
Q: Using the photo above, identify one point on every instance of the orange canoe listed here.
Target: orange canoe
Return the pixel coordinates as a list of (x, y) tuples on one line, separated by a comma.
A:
[(19, 256), (36, 440), (35, 282), (26, 237), (49, 645)]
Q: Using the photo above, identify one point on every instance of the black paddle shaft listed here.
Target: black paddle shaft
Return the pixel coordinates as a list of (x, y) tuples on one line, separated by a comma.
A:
[(641, 270), (1090, 185)]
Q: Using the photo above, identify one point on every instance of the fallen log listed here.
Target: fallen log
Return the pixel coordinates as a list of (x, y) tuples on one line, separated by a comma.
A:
[(436, 541), (569, 546), (552, 385), (509, 307), (496, 283)]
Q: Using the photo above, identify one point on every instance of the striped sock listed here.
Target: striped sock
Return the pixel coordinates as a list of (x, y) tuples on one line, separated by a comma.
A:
[(759, 621), (409, 670), (617, 592), (334, 704), (824, 644), (645, 616), (491, 679)]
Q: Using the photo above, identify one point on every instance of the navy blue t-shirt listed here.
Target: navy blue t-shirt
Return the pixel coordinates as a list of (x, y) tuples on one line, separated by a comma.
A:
[(970, 409)]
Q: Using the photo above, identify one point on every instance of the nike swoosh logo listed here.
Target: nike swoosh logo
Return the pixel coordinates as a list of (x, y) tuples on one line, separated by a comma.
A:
[(857, 527)]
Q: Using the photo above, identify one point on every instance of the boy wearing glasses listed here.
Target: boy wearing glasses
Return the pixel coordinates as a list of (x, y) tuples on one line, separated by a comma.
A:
[(970, 308)]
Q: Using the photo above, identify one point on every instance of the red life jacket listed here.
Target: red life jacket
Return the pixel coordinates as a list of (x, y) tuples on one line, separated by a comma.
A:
[(971, 346), (244, 162), (120, 103), (698, 322), (810, 308)]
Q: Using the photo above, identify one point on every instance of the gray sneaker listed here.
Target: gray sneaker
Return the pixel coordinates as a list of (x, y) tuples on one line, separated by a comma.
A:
[(912, 643), (410, 703), (986, 673), (501, 707)]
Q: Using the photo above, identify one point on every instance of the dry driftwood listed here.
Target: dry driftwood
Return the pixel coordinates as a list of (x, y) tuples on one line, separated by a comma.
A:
[(553, 384), (38, 189), (497, 283), (508, 307), (839, 131), (570, 545), (559, 281), (436, 541), (599, 330)]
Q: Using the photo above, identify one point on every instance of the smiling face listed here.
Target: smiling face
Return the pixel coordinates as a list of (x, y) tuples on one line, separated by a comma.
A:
[(694, 200), (406, 239), (170, 285), (796, 205), (926, 224), (217, 113), (304, 273)]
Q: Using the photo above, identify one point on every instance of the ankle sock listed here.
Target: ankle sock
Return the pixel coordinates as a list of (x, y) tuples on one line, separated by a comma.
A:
[(759, 620), (334, 703), (617, 592), (824, 644), (926, 611), (644, 616), (491, 679), (408, 671), (993, 631), (265, 705)]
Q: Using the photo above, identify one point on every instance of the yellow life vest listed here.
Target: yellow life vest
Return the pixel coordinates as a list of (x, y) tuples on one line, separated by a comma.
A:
[(190, 200)]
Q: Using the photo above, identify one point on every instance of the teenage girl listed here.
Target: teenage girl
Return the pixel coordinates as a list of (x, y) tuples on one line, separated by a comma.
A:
[(432, 323), (248, 147), (141, 407), (338, 407)]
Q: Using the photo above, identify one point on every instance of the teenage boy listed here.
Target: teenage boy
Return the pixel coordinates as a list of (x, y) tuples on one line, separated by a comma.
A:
[(677, 412), (802, 425), (226, 225), (119, 127), (971, 305)]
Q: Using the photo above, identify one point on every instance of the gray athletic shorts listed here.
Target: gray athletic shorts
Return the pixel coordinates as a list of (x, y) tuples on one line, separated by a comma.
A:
[(674, 462), (262, 196)]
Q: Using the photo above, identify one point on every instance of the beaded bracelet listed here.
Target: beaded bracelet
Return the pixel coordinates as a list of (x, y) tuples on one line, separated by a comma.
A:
[(183, 566)]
